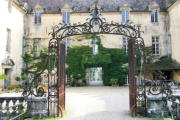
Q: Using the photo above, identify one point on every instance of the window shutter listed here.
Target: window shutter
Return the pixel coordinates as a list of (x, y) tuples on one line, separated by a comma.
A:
[(156, 16), (152, 16), (64, 17), (35, 18), (127, 16), (68, 18), (123, 16)]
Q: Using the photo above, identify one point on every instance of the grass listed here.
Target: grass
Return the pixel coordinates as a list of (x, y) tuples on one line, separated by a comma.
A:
[(157, 119)]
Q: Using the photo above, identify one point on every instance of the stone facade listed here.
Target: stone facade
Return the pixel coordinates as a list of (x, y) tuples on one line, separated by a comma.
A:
[(11, 46), (166, 29), (174, 34)]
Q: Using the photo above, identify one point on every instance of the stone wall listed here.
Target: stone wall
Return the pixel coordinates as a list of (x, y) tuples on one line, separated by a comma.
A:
[(174, 31)]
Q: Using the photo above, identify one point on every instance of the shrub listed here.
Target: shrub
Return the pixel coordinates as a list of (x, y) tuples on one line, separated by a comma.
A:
[(113, 81), (3, 76), (11, 87), (17, 78)]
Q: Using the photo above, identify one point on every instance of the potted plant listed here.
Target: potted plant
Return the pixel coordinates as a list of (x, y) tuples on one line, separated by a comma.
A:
[(20, 79), (41, 90), (2, 77)]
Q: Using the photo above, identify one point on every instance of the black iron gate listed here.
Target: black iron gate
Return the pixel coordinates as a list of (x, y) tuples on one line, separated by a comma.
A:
[(56, 58), (139, 87), (95, 25)]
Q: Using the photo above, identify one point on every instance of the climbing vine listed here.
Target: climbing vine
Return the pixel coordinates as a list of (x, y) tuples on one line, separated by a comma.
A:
[(113, 62)]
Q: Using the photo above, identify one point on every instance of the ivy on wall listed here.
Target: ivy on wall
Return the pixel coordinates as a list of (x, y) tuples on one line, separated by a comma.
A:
[(111, 60)]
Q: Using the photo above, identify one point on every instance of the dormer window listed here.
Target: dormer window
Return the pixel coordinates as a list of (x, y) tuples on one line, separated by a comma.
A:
[(125, 16), (125, 11), (37, 18), (154, 16), (66, 14), (154, 8), (66, 17)]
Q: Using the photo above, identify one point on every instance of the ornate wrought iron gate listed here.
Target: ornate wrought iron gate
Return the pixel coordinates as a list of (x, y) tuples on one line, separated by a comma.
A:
[(55, 74), (94, 25)]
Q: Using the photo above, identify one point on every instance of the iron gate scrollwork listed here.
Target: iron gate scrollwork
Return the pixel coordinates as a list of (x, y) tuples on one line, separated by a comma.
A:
[(98, 25), (94, 25)]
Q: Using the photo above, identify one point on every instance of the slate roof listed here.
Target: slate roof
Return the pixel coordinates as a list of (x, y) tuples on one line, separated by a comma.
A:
[(53, 6)]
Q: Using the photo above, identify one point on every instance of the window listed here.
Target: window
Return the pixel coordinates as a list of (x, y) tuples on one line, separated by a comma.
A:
[(95, 46), (8, 44), (66, 17), (37, 18), (154, 16), (155, 45), (125, 44), (125, 16), (66, 20), (67, 45)]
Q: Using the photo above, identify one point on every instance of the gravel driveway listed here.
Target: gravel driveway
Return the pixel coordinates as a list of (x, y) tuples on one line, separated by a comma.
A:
[(98, 103)]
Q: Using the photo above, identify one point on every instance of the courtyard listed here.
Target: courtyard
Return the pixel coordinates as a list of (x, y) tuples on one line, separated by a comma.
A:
[(98, 103)]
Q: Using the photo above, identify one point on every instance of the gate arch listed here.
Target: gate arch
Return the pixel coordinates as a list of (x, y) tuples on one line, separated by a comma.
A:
[(94, 25)]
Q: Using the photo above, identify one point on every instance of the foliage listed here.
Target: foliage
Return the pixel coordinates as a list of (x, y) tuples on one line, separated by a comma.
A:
[(12, 87), (164, 63), (113, 81), (157, 119), (74, 60), (87, 36), (24, 116), (18, 78), (42, 87), (3, 76), (116, 69), (111, 60), (38, 63)]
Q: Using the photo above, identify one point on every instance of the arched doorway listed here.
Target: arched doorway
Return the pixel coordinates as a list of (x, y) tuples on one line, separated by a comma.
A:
[(94, 25)]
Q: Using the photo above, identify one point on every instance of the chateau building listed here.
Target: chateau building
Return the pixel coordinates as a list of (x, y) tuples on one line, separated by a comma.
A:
[(159, 19), (11, 43)]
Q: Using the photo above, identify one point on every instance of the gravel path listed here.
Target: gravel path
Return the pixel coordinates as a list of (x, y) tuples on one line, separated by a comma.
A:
[(98, 103)]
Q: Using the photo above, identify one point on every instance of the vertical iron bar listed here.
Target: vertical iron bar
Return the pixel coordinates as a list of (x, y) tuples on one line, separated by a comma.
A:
[(132, 75), (61, 77), (58, 76), (48, 77)]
